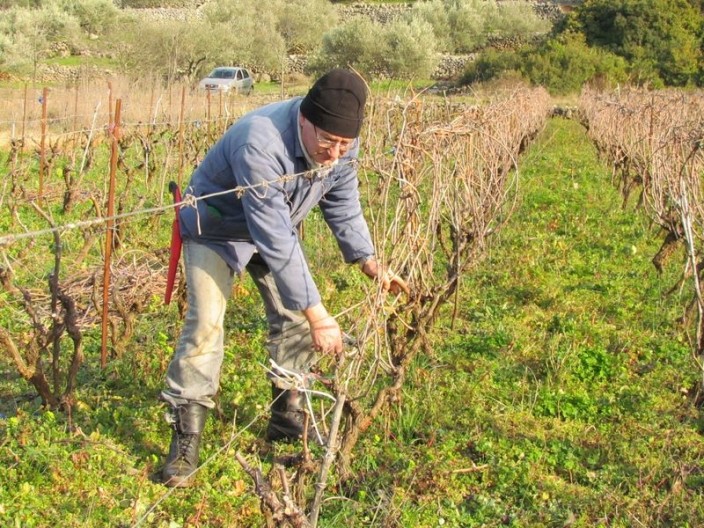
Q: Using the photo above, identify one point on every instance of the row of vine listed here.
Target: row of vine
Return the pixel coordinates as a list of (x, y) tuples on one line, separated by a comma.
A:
[(655, 143)]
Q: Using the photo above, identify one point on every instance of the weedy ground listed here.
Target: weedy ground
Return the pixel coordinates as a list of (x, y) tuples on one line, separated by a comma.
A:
[(561, 393)]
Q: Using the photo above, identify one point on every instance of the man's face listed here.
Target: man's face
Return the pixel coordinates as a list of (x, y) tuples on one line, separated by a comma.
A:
[(323, 147)]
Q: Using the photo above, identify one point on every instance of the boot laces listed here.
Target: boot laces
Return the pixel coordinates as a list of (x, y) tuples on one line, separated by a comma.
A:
[(184, 441)]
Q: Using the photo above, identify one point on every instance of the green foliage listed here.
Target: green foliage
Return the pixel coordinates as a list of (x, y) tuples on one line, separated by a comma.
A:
[(435, 13), (565, 64), (94, 16), (661, 38), (29, 33), (401, 50), (302, 23), (25, 4), (232, 32), (147, 4), (562, 64), (409, 51), (489, 65), (468, 23), (464, 26), (658, 42), (354, 44), (516, 19), (260, 35), (243, 33), (168, 50)]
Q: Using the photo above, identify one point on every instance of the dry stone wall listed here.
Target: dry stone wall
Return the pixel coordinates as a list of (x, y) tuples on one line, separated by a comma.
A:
[(385, 13), (382, 13)]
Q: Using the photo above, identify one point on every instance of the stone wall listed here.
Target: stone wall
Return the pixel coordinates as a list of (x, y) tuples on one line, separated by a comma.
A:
[(385, 13), (449, 66), (382, 13)]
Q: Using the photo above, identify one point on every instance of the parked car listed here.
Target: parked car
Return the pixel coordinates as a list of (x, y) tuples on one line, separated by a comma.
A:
[(226, 79)]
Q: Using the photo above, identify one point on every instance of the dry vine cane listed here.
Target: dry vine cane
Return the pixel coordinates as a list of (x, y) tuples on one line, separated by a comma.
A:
[(434, 198), (659, 137), (45, 339), (444, 191)]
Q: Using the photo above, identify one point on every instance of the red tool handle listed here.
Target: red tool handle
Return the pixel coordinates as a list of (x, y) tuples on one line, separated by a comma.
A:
[(175, 254)]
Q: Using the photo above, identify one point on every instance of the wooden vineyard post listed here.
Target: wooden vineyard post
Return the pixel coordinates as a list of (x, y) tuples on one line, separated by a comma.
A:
[(42, 146), (24, 118), (114, 136), (180, 136)]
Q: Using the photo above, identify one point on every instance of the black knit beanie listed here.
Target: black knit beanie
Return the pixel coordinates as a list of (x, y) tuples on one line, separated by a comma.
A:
[(335, 103)]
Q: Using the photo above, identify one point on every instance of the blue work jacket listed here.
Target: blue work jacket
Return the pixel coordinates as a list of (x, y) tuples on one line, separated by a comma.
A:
[(262, 156)]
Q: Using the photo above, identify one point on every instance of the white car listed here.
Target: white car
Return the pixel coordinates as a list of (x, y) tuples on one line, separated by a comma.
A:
[(226, 79)]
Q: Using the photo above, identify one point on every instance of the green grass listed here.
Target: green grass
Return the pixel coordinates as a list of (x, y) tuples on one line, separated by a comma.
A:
[(78, 61), (561, 396)]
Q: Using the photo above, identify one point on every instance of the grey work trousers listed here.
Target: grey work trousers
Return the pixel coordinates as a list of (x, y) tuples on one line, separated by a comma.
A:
[(193, 375)]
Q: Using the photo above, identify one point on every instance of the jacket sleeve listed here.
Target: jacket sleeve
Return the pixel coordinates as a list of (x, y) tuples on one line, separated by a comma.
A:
[(342, 211), (268, 220)]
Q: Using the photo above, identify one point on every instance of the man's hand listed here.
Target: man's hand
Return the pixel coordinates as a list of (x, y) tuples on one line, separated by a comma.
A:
[(324, 330), (389, 281)]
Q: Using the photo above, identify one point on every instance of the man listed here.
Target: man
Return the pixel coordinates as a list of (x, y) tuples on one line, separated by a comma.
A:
[(286, 158)]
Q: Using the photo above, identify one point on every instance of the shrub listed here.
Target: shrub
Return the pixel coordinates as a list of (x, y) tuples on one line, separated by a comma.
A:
[(29, 33), (435, 13), (462, 26), (256, 35), (662, 38), (146, 4), (245, 33), (302, 23), (564, 64), (26, 4), (94, 16), (260, 34), (354, 44), (169, 50), (468, 23), (561, 64), (516, 19), (490, 65), (410, 50), (402, 50)]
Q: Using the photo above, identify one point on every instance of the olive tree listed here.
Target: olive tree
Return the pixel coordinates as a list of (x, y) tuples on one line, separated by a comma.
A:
[(409, 50), (170, 50), (515, 19), (463, 26), (245, 33), (94, 16), (30, 33), (302, 23), (402, 49), (261, 34), (354, 44), (435, 13), (468, 23), (258, 35)]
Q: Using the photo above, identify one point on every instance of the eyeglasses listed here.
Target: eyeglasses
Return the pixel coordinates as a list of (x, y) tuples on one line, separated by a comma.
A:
[(327, 143)]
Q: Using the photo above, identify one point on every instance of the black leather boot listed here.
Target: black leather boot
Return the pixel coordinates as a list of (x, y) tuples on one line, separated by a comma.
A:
[(187, 424), (288, 417)]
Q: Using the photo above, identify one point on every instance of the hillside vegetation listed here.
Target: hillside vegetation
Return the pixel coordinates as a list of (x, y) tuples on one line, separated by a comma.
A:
[(645, 42), (260, 36)]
